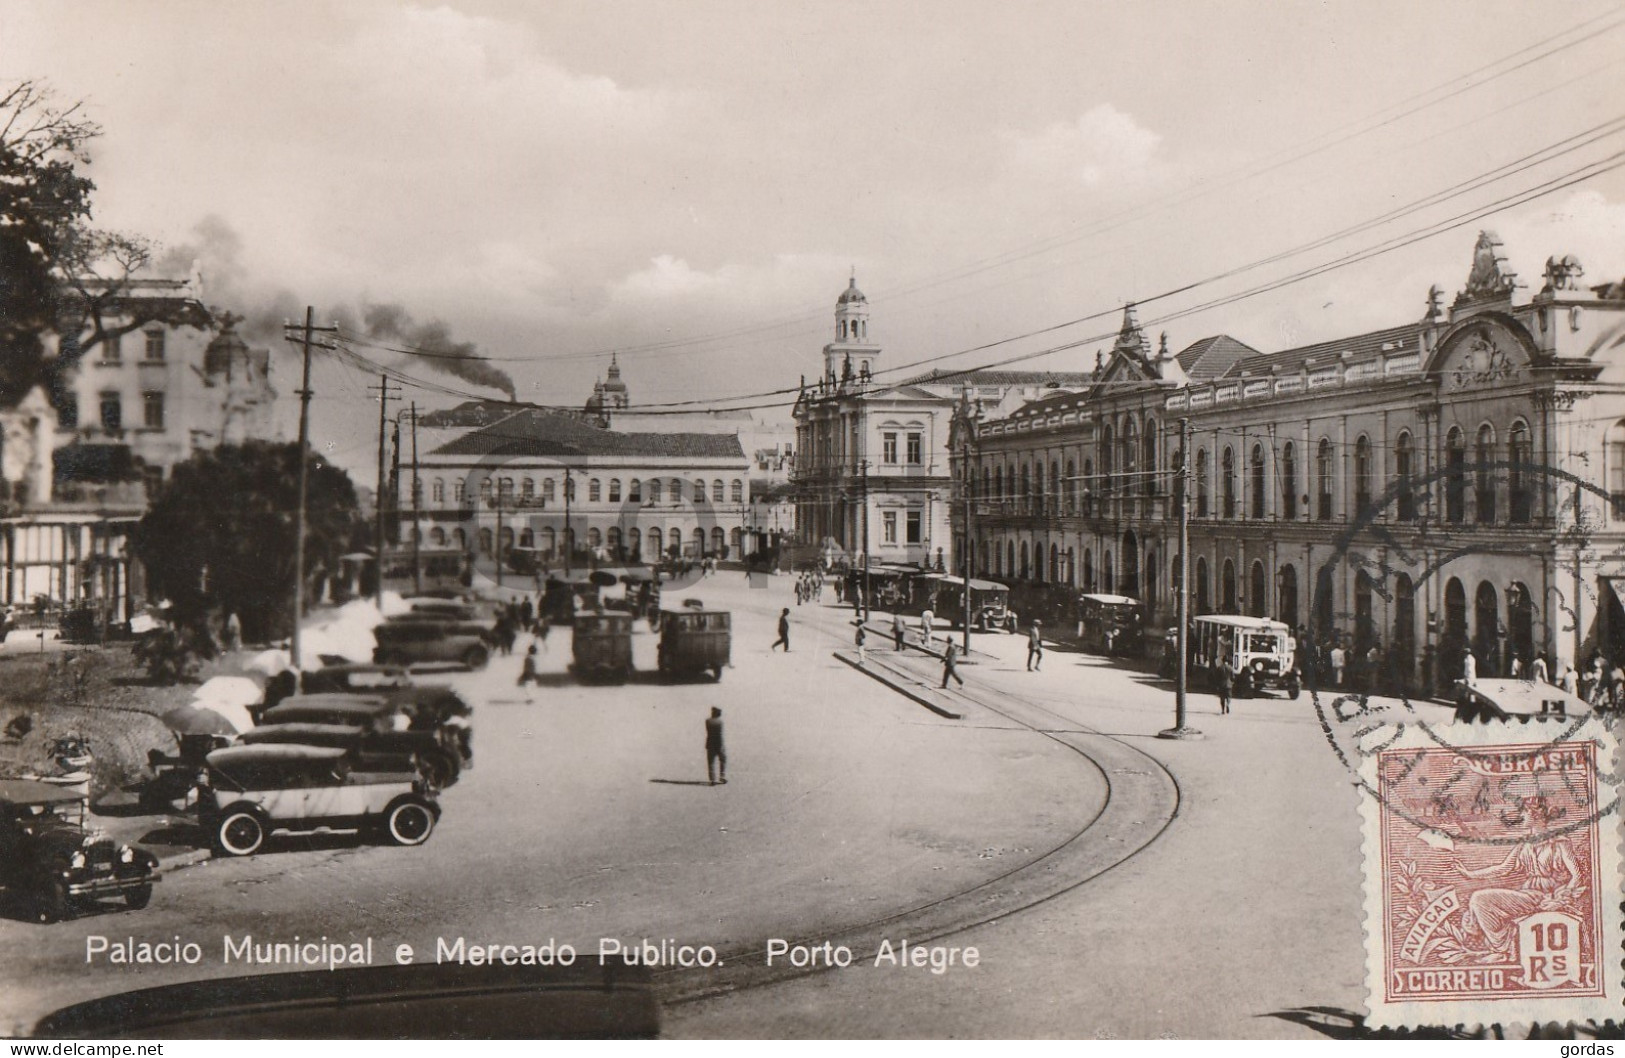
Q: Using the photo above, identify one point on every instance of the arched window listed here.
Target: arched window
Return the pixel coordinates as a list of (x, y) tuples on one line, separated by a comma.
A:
[(1289, 482), (1323, 479), (1108, 438), (737, 491), (547, 542), (1404, 470), (459, 539), (718, 487), (634, 544), (437, 536), (1365, 627), (997, 495), (1038, 563), (1487, 629), (527, 488), (1613, 459), (1227, 588), (1404, 635), (699, 492), (1010, 559), (1055, 486), (1038, 488), (1108, 573), (1484, 490), (487, 491), (1519, 453), (1026, 497), (615, 490), (438, 491), (1129, 583), (654, 490), (1362, 476), (595, 491), (1131, 456), (1148, 458), (612, 540), (1287, 604), (547, 490), (1227, 483), (1088, 570), (657, 543), (594, 537), (1071, 568), (1455, 476), (1260, 484), (1026, 561), (1089, 489), (634, 491), (485, 541), (1257, 595), (527, 539), (1055, 571), (1201, 483), (719, 541), (1071, 487), (1203, 599)]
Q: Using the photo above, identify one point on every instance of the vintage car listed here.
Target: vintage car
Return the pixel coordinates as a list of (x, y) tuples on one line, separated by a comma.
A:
[(429, 725), (250, 793), (50, 860), (1111, 624), (989, 603), (431, 639), (340, 679), (1262, 654), (173, 774), (1498, 699), (694, 641), (601, 646)]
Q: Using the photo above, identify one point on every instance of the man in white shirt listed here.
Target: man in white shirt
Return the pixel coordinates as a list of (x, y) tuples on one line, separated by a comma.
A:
[(1339, 659)]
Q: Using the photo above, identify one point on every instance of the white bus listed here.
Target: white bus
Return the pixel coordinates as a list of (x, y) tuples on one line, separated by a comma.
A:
[(1262, 653)]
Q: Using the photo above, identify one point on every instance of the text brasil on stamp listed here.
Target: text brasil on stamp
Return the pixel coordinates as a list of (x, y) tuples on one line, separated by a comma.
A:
[(1492, 875)]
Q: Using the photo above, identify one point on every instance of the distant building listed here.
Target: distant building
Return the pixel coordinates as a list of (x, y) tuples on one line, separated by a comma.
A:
[(540, 485), (871, 465)]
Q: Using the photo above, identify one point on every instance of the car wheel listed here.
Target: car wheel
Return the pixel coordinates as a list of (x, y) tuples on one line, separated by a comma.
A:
[(51, 900), (1294, 689), (139, 897), (476, 657), (409, 821), (240, 832)]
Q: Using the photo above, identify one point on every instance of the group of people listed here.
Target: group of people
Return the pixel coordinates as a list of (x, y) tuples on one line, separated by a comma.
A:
[(809, 587)]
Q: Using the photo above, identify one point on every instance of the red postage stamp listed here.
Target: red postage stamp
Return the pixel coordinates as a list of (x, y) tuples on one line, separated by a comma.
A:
[(1492, 874)]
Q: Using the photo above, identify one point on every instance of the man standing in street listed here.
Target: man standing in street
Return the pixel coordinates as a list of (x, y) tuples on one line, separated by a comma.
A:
[(927, 621), (1035, 647), (949, 658), (716, 758), (899, 628), (1339, 659), (784, 631), (859, 638), (1227, 677)]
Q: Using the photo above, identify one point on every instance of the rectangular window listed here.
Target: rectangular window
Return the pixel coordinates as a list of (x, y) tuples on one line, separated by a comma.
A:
[(888, 447), (915, 522), (916, 449), (152, 410), (67, 417), (113, 349), (459, 492), (155, 346), (112, 412), (888, 527), (439, 492)]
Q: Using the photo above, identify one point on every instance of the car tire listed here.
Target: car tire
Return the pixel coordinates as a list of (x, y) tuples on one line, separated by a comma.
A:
[(439, 769), (409, 821), (476, 657), (240, 831), (139, 897), (51, 902), (1294, 689)]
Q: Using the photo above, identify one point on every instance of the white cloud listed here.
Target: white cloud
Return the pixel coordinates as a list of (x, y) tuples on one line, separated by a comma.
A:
[(1104, 145)]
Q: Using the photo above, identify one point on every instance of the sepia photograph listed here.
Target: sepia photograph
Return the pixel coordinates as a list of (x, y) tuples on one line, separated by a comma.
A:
[(714, 520)]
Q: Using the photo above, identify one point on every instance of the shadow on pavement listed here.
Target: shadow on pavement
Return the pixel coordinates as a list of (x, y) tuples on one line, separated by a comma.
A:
[(682, 782)]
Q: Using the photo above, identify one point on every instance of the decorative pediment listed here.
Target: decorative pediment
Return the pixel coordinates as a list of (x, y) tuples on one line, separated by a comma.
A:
[(1491, 279), (1483, 352)]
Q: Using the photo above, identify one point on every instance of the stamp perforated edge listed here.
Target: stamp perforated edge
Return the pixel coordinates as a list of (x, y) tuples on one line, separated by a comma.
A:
[(1383, 1014)]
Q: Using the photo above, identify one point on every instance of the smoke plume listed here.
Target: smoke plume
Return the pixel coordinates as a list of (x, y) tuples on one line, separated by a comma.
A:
[(387, 323)]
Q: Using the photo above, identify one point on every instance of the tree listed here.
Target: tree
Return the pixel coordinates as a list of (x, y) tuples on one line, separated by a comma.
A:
[(218, 538), (43, 199)]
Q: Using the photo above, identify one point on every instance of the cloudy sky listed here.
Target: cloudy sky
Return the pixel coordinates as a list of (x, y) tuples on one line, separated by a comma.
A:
[(690, 182)]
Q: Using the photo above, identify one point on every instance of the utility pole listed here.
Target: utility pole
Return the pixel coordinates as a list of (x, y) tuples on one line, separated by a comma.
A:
[(417, 511), (1180, 730), (970, 484), (306, 340), (863, 513), (384, 397), (569, 542)]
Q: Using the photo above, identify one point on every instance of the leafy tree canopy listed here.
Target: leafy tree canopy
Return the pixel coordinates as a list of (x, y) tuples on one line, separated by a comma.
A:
[(219, 536)]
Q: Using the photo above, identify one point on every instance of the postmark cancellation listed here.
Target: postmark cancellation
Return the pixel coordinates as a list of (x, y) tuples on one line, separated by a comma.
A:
[(1492, 875)]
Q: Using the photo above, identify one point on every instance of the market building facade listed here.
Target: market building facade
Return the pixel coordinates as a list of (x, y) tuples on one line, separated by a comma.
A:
[(1450, 484)]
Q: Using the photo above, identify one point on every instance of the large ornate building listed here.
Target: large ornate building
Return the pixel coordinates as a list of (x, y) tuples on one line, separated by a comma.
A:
[(1451, 483), (871, 470)]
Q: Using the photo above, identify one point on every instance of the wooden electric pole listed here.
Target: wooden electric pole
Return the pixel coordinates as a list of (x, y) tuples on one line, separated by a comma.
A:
[(1180, 729), (384, 397), (305, 337)]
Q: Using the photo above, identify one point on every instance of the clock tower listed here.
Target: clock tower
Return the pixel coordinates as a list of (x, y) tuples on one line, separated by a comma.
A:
[(851, 355)]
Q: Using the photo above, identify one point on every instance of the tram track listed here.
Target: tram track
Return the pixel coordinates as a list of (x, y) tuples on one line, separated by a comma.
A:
[(1141, 801)]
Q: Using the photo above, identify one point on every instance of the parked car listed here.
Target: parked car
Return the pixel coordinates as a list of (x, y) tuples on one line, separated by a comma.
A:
[(250, 793), (339, 679), (49, 859), (694, 641), (431, 639), (989, 604), (1111, 624), (428, 725), (602, 646)]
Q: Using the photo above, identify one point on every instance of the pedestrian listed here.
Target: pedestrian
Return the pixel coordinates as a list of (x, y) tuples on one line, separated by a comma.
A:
[(949, 659), (1538, 670), (899, 628), (1035, 647), (543, 626), (716, 758), (927, 622), (1469, 669), (1571, 680), (1339, 660), (1515, 667), (1227, 677), (784, 631), (233, 631), (527, 672), (859, 637)]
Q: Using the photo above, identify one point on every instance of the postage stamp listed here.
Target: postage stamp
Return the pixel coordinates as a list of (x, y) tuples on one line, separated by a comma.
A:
[(1492, 875)]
